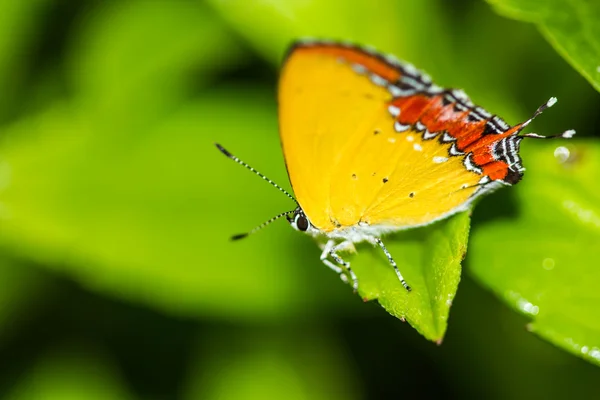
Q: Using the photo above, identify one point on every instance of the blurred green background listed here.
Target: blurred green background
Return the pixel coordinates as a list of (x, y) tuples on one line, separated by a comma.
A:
[(117, 278)]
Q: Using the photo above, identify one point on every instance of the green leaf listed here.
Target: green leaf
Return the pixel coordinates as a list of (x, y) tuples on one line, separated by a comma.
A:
[(21, 289), (543, 261), (429, 258), (272, 26), (148, 215), (130, 61), (154, 221), (571, 26), (71, 374), (19, 27)]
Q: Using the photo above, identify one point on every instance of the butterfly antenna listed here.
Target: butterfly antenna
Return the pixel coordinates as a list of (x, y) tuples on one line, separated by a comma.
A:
[(566, 134), (243, 164), (259, 227)]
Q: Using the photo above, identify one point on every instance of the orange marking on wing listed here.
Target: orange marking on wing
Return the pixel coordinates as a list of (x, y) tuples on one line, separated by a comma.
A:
[(483, 156), (411, 108), (437, 116), (485, 141), (470, 134), (371, 62), (458, 126), (496, 170)]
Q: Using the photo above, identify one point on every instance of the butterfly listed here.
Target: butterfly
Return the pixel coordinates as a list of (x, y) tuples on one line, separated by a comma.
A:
[(373, 146)]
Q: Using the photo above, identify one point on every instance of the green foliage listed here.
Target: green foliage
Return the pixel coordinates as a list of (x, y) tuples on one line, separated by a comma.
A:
[(71, 374), (92, 182), (18, 20), (271, 364), (112, 65), (20, 289), (272, 26), (109, 178), (124, 201), (429, 258), (571, 26), (544, 260)]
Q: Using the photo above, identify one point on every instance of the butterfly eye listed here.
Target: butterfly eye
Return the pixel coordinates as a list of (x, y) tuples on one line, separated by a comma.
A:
[(301, 222)]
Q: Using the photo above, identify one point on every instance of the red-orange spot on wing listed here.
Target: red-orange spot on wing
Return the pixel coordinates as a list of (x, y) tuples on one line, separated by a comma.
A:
[(469, 133), (483, 156), (438, 116), (496, 170), (488, 140), (411, 108)]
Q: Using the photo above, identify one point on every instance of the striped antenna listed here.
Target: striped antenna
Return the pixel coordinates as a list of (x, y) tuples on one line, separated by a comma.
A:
[(243, 164), (566, 134), (275, 218), (259, 227)]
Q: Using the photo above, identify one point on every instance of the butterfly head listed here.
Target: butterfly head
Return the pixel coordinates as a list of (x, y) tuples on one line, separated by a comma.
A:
[(299, 221)]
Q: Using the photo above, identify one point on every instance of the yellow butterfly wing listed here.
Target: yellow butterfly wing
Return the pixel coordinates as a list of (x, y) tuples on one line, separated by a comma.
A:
[(367, 140)]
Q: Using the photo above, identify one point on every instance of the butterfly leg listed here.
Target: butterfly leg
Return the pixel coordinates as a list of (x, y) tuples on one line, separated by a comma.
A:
[(336, 257), (391, 260), (331, 249), (325, 253)]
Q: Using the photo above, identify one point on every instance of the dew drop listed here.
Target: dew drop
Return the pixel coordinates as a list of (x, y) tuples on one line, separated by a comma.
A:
[(548, 264), (562, 154)]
